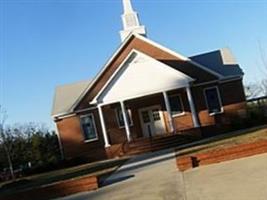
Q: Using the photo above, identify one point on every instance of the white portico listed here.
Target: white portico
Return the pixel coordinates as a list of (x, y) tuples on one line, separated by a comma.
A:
[(140, 75)]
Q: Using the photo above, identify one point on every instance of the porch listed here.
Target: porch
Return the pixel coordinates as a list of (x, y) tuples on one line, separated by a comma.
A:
[(145, 98), (150, 122)]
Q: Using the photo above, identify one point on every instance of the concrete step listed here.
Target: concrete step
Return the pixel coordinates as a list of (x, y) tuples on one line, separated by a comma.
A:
[(155, 146), (148, 141)]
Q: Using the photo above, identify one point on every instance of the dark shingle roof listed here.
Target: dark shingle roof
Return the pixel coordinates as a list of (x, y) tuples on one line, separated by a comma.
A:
[(221, 61)]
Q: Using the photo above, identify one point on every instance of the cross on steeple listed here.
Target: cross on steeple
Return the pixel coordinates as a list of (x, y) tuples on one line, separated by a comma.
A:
[(130, 21)]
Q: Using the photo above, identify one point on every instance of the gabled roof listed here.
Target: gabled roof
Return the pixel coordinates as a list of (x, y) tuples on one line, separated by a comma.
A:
[(222, 61), (66, 95), (130, 80), (179, 62), (71, 97)]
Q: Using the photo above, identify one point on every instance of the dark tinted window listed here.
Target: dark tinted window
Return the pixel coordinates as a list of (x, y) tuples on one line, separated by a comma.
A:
[(213, 102), (176, 105)]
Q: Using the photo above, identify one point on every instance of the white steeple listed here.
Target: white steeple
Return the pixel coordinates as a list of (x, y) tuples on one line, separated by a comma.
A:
[(130, 21)]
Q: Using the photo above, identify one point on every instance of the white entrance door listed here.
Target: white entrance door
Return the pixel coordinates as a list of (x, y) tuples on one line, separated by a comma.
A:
[(152, 121)]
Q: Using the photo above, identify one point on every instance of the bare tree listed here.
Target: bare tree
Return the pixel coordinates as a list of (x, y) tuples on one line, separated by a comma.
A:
[(253, 90), (264, 86), (264, 70), (4, 135)]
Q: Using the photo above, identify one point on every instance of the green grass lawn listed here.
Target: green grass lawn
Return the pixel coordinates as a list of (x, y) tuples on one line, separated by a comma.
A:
[(102, 168), (226, 140)]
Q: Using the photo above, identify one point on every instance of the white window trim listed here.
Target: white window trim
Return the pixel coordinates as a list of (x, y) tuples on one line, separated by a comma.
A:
[(219, 97), (118, 121), (182, 105), (93, 118)]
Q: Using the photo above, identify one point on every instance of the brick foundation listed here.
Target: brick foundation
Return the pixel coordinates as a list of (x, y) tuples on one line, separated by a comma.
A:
[(56, 190), (220, 155)]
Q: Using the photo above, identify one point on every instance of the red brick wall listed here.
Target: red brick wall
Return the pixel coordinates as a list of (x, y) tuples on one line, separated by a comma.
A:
[(56, 190), (232, 96), (231, 105), (184, 121), (72, 139), (220, 155), (116, 135), (233, 100)]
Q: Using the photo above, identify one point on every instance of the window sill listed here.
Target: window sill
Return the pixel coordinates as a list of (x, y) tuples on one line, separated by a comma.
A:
[(215, 113), (179, 114), (122, 127), (91, 140)]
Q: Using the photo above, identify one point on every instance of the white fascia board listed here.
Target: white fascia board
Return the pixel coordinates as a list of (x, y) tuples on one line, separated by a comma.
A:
[(178, 55), (140, 95), (224, 80), (64, 115), (101, 72), (94, 101), (71, 114), (134, 51)]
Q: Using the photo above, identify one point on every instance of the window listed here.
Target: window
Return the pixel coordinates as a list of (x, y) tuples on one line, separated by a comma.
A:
[(176, 105), (213, 100), (155, 114), (120, 117), (88, 127), (145, 116)]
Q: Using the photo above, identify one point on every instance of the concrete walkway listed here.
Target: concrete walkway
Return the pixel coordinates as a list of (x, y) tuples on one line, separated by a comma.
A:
[(241, 179), (152, 176)]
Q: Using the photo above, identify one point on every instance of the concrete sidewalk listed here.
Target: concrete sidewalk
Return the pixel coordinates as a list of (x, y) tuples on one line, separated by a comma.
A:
[(241, 179), (152, 176)]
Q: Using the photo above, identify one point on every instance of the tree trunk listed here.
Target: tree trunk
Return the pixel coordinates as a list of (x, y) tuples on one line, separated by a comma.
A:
[(9, 162)]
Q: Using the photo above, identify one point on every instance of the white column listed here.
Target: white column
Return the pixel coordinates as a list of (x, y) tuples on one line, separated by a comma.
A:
[(168, 108), (103, 125), (126, 123), (192, 107)]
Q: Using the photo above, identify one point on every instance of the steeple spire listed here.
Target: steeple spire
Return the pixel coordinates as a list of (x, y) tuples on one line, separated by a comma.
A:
[(127, 6), (130, 21)]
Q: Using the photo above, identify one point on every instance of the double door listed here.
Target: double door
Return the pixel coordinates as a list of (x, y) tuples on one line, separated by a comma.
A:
[(152, 121)]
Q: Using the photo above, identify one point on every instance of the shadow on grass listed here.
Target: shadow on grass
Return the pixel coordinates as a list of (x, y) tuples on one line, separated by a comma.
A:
[(104, 169)]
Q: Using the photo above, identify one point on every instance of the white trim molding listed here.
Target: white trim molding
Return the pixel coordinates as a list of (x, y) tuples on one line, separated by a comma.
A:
[(178, 55), (99, 74), (62, 116), (134, 55), (94, 126), (182, 105)]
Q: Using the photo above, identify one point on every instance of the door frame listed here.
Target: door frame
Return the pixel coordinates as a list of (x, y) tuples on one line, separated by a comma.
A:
[(140, 110)]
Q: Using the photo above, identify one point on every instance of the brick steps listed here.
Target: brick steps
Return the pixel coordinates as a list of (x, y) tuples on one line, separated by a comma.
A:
[(155, 144)]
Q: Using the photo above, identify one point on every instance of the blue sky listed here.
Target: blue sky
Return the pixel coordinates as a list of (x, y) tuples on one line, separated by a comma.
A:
[(44, 43)]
